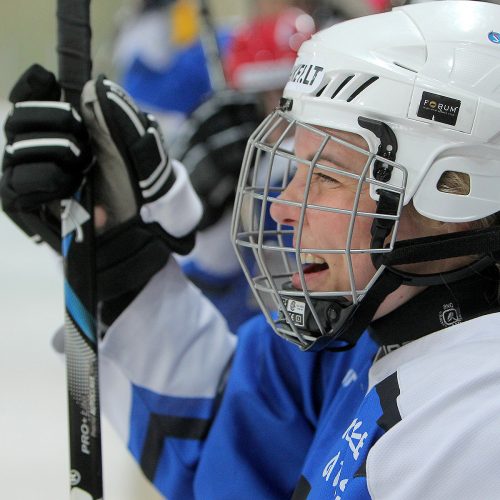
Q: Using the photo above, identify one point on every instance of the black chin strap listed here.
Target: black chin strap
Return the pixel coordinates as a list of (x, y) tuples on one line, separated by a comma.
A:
[(351, 320), (342, 321), (438, 307), (445, 246)]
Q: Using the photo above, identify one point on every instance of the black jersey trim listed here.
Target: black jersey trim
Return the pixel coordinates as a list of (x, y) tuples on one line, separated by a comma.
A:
[(388, 391), (361, 472), (161, 427), (210, 286), (302, 489)]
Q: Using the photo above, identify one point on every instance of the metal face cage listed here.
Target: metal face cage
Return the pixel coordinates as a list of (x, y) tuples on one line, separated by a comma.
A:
[(272, 254)]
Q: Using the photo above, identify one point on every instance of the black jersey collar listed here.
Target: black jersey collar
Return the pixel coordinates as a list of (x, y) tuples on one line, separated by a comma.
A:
[(438, 307)]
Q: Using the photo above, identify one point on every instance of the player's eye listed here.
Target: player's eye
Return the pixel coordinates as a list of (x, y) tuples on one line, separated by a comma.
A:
[(321, 177)]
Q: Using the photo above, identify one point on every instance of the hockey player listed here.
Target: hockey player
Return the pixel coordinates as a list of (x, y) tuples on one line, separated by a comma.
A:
[(390, 283), (161, 62)]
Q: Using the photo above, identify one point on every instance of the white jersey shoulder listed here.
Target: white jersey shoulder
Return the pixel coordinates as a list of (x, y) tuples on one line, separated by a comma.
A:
[(170, 340), (446, 444)]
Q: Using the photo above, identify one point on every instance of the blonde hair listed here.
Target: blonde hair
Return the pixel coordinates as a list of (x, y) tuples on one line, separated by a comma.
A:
[(459, 183)]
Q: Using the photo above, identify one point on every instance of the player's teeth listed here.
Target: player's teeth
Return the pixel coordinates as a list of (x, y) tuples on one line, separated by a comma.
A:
[(307, 258)]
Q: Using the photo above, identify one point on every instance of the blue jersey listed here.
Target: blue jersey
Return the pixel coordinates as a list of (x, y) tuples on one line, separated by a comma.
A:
[(179, 87), (289, 419), (212, 415)]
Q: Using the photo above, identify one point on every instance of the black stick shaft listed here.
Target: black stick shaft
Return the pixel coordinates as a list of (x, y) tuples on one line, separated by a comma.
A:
[(211, 48), (74, 38), (75, 65)]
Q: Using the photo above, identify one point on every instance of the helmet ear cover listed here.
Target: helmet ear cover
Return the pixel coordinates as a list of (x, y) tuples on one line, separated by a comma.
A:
[(387, 149), (389, 201)]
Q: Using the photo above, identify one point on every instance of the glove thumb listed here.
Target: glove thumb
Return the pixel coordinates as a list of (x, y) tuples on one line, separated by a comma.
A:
[(36, 84)]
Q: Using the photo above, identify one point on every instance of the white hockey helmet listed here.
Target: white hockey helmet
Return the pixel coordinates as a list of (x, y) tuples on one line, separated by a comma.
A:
[(421, 85), (429, 71)]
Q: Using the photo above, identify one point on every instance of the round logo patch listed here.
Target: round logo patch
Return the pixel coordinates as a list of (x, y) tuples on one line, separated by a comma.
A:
[(494, 36)]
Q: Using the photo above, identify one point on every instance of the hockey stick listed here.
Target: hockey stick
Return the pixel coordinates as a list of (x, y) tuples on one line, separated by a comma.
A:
[(78, 251), (211, 48)]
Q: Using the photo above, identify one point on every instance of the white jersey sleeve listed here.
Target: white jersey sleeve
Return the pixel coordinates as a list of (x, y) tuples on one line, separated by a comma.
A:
[(170, 341)]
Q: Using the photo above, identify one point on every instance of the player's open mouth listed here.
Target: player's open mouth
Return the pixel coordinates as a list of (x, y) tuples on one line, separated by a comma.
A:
[(312, 266)]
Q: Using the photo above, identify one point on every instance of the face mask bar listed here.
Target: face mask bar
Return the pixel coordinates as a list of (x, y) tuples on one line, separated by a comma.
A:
[(270, 253)]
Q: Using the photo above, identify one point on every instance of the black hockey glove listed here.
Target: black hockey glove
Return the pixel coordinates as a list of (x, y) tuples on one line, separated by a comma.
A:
[(47, 154), (212, 146), (49, 151)]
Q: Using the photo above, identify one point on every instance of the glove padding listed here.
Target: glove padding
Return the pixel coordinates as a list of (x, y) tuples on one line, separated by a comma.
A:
[(135, 167), (212, 145), (51, 148), (46, 156), (134, 175)]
